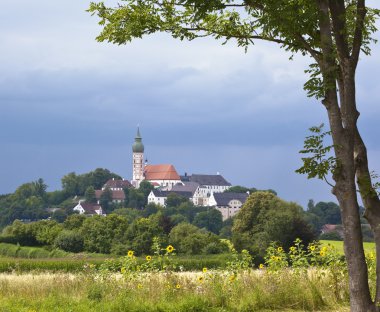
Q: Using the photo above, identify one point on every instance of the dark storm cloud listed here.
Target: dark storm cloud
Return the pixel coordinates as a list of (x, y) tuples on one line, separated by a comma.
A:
[(68, 103)]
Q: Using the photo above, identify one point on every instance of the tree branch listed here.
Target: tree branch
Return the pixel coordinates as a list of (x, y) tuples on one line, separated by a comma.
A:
[(361, 12), (338, 16)]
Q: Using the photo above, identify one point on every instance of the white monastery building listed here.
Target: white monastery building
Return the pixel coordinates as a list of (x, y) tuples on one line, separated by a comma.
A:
[(228, 203)]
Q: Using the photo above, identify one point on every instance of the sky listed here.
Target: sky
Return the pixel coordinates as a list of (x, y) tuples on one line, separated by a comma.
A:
[(71, 104)]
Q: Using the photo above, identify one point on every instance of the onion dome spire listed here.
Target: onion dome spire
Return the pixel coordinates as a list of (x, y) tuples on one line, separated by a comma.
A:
[(138, 147)]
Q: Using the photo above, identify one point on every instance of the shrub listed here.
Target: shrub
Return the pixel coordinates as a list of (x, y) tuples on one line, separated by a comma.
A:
[(69, 241), (335, 236)]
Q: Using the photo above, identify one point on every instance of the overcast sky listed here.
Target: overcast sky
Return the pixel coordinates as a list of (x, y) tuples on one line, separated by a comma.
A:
[(68, 103)]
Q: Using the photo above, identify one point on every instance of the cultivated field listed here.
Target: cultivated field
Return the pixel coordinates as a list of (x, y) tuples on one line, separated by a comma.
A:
[(311, 279)]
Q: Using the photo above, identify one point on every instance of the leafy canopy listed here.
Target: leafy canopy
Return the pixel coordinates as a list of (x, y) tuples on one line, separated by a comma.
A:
[(295, 25)]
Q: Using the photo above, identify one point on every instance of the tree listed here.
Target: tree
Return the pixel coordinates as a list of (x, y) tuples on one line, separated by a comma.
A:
[(106, 199), (189, 239), (265, 218), (332, 33), (100, 233), (70, 241), (90, 195), (99, 177), (175, 200), (211, 220), (141, 232)]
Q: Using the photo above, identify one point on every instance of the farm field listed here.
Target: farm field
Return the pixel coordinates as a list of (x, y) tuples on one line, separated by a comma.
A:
[(154, 283), (201, 291), (368, 247)]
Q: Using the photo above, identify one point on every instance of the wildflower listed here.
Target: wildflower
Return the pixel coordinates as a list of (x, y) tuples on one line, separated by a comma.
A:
[(200, 279), (170, 249), (204, 270), (178, 286), (292, 248), (322, 253), (278, 258), (273, 258), (279, 249), (232, 278), (148, 258), (261, 266), (139, 286), (130, 253), (312, 247)]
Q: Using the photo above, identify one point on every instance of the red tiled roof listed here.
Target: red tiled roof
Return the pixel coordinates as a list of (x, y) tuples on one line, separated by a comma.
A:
[(116, 195), (90, 208), (160, 172), (327, 228)]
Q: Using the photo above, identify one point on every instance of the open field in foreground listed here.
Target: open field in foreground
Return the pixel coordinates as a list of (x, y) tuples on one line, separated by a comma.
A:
[(257, 290), (368, 247)]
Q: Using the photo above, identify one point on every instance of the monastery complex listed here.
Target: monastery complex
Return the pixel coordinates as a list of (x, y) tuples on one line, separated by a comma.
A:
[(201, 189)]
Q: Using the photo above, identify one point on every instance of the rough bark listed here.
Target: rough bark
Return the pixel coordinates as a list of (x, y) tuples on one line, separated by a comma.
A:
[(370, 200)]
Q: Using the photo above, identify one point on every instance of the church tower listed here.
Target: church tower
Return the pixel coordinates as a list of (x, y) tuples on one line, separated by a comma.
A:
[(138, 160)]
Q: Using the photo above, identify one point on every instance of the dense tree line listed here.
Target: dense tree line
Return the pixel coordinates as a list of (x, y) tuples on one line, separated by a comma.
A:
[(133, 224), (30, 200), (191, 229)]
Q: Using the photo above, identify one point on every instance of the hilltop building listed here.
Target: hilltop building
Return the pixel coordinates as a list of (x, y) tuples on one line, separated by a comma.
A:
[(201, 189), (163, 176), (228, 203)]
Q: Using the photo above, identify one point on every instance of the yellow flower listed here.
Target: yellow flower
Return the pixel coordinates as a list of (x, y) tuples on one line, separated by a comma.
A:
[(312, 247), (170, 248), (322, 253), (273, 258), (130, 253), (200, 279), (139, 286), (148, 258), (178, 286), (292, 248), (261, 266), (279, 249), (278, 258), (232, 278), (204, 270)]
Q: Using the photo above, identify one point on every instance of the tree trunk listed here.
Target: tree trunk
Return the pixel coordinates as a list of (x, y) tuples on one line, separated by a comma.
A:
[(345, 192), (370, 200)]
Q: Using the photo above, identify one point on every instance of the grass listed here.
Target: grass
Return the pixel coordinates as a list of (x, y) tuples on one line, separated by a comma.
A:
[(247, 291), (368, 247), (17, 251)]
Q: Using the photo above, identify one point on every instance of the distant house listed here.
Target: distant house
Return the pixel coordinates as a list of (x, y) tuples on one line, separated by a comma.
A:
[(117, 189), (207, 185), (117, 195), (117, 185), (88, 209), (159, 197), (228, 203)]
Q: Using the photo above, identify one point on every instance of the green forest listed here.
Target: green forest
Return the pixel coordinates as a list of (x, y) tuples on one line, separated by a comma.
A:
[(27, 219)]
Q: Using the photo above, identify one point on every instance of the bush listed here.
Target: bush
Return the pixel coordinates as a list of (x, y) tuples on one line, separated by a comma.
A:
[(189, 239), (334, 235), (69, 241), (214, 248)]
